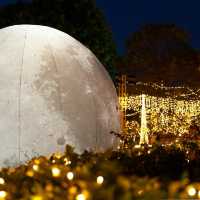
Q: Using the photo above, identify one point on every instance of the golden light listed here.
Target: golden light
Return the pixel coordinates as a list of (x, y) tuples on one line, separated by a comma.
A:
[(70, 176), (30, 173), (73, 190), (67, 162), (199, 194), (35, 167), (37, 197), (143, 128), (170, 114), (140, 192), (36, 161), (58, 155), (123, 102), (80, 197), (100, 180), (191, 191), (2, 181), (55, 172), (137, 146), (3, 194), (49, 187)]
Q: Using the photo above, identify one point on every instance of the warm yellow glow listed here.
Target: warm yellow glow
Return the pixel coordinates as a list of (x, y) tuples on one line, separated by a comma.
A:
[(199, 194), (30, 173), (37, 197), (123, 102), (58, 155), (70, 175), (2, 181), (67, 162), (36, 161), (55, 172), (143, 128), (137, 146), (140, 192), (73, 190), (80, 197), (163, 114), (49, 187), (191, 191), (100, 180), (35, 167), (3, 194)]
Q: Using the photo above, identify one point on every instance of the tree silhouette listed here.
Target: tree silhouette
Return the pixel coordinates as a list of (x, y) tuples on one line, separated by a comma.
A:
[(79, 18), (162, 53)]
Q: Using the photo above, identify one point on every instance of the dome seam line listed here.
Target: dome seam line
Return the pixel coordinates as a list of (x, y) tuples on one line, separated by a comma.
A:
[(19, 99)]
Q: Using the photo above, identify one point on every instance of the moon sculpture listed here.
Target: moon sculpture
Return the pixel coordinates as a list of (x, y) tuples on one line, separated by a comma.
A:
[(53, 92)]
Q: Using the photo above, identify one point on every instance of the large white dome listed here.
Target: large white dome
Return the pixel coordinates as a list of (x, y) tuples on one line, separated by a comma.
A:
[(53, 92)]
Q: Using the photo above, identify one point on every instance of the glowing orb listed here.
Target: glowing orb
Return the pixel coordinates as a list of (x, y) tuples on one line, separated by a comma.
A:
[(53, 92)]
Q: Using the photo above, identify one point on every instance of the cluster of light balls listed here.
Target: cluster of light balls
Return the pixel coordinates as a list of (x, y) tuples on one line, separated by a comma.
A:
[(36, 168), (64, 172), (164, 114)]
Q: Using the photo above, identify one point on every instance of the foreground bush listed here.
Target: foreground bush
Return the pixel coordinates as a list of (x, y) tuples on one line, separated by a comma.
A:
[(141, 173)]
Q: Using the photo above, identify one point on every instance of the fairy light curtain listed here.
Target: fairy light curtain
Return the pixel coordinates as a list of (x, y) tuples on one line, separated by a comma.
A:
[(169, 110)]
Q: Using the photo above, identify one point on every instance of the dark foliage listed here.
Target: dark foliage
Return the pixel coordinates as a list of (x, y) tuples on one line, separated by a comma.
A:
[(162, 53), (79, 18)]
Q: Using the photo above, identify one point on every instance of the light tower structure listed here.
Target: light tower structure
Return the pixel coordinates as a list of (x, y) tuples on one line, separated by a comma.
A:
[(123, 101)]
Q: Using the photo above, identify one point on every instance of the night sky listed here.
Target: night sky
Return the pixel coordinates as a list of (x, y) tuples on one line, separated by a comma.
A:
[(126, 16)]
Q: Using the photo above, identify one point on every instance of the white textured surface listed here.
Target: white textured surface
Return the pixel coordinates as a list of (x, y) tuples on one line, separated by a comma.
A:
[(53, 92)]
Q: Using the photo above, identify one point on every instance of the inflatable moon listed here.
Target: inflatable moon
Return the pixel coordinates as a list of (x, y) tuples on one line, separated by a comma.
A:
[(53, 92)]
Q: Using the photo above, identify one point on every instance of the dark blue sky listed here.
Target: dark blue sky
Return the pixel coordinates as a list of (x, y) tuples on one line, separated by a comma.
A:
[(126, 16)]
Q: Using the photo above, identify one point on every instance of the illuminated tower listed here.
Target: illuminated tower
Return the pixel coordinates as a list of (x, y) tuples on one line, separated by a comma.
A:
[(143, 128), (123, 101)]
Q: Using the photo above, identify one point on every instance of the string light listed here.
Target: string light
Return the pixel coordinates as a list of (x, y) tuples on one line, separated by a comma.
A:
[(82, 188), (30, 173), (2, 181), (66, 161), (100, 180), (199, 194), (80, 197), (37, 162), (163, 114), (137, 146), (55, 172), (140, 192), (35, 167), (3, 194), (72, 190), (70, 176), (187, 91), (143, 129), (36, 197), (191, 191)]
